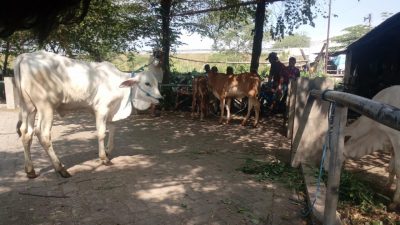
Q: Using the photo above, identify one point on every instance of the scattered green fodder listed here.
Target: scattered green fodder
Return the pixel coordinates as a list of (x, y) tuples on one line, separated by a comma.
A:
[(275, 171), (360, 203)]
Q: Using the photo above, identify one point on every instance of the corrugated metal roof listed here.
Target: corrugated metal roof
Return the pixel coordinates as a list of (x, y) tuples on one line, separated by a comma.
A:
[(387, 30)]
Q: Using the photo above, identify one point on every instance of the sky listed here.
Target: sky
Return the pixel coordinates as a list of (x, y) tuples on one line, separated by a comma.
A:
[(349, 13)]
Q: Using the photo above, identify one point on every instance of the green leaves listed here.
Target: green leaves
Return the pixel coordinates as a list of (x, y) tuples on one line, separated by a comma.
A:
[(293, 41), (351, 34), (109, 27)]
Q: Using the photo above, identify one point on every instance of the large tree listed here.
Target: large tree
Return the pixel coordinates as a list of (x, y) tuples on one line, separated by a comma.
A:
[(293, 14)]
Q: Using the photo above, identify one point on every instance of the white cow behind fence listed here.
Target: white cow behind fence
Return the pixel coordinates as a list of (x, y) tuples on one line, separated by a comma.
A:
[(367, 136), (49, 83)]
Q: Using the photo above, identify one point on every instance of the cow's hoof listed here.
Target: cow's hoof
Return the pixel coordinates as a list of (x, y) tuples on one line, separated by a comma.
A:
[(64, 173), (31, 174), (108, 154), (106, 162)]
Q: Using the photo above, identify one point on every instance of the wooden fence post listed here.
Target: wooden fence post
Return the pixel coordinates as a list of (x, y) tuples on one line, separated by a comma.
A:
[(336, 147)]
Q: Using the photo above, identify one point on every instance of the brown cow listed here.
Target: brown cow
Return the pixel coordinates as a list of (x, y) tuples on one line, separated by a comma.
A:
[(200, 96), (225, 87)]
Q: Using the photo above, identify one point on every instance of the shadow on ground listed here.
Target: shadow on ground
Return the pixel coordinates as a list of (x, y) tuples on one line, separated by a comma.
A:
[(166, 170)]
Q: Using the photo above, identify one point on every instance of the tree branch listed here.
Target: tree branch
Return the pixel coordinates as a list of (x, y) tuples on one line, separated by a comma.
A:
[(223, 7)]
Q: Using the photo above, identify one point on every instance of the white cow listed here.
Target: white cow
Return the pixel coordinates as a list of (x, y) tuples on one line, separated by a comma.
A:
[(367, 136), (47, 82)]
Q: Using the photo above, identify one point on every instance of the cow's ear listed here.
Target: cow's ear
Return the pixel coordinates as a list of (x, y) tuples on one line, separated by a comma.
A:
[(128, 83)]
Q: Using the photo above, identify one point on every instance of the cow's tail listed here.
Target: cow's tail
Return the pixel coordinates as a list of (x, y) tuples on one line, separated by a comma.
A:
[(17, 84)]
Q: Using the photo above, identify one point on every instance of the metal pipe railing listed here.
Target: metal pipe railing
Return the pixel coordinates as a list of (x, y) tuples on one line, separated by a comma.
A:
[(380, 112)]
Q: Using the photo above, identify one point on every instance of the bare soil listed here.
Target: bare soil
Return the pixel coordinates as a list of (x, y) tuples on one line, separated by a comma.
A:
[(165, 170)]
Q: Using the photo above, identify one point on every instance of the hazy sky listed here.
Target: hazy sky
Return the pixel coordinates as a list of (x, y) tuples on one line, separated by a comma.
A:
[(349, 12)]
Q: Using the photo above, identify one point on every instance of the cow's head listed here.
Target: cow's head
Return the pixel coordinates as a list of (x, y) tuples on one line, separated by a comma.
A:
[(144, 90), (157, 57)]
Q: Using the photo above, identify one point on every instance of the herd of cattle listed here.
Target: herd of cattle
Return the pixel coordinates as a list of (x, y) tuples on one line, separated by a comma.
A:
[(225, 87), (47, 83)]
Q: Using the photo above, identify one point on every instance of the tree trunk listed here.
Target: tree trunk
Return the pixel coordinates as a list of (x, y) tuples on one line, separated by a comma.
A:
[(258, 36), (6, 55), (165, 39)]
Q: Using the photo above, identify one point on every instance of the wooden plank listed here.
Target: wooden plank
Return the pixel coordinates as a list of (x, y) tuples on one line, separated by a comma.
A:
[(318, 209), (335, 163)]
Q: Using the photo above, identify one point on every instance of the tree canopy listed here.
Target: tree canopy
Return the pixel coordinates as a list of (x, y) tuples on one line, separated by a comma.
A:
[(293, 41), (41, 16), (109, 27), (350, 35), (114, 26)]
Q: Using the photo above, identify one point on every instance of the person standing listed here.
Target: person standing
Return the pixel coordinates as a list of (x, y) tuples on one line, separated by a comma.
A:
[(276, 72), (293, 71), (277, 78)]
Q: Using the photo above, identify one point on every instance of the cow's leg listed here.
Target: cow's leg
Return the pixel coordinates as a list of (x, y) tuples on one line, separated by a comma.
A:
[(193, 103), (249, 107), (110, 143), (45, 123), (228, 109), (101, 134), (392, 172), (203, 106), (221, 107), (396, 156), (27, 130), (256, 105)]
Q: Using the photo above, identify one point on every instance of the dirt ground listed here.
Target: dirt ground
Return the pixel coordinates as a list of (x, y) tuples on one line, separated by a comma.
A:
[(166, 170)]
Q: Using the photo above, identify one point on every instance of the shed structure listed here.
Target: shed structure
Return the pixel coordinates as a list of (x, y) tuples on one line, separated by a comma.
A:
[(373, 61)]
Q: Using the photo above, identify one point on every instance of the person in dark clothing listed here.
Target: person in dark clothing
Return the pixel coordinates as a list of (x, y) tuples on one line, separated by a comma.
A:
[(278, 79), (276, 72), (293, 71)]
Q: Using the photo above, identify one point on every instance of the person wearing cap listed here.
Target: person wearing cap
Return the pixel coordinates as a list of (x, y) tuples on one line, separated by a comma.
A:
[(278, 77)]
